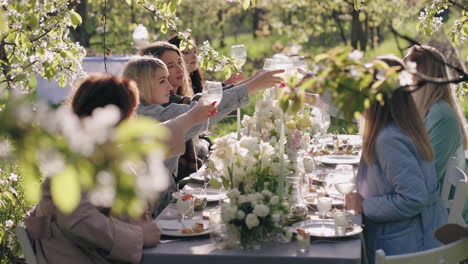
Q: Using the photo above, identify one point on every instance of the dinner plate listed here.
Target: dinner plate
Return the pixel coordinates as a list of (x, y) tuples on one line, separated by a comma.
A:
[(312, 199), (338, 159), (354, 140), (174, 228), (213, 195), (314, 228), (198, 176)]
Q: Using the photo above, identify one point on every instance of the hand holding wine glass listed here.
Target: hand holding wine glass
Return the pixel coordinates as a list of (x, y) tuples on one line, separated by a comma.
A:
[(212, 94)]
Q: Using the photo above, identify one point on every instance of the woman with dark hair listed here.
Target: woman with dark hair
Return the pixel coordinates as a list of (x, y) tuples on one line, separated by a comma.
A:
[(398, 192), (191, 62), (89, 234)]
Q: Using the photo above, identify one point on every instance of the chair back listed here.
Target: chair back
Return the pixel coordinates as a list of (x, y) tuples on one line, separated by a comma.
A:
[(458, 202), (452, 176), (26, 244), (448, 254)]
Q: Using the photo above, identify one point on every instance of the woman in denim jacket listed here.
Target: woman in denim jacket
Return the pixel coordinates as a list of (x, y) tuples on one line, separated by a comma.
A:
[(398, 191)]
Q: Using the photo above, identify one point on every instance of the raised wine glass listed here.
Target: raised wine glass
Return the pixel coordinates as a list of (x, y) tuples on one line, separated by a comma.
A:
[(239, 54), (212, 93)]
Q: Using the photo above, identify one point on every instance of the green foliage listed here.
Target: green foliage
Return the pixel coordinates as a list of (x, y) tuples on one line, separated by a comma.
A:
[(13, 207), (34, 39), (431, 20)]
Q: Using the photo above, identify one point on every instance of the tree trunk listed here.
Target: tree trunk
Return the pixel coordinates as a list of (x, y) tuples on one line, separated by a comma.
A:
[(80, 34), (221, 27), (364, 35), (358, 35), (340, 26), (355, 29), (255, 21)]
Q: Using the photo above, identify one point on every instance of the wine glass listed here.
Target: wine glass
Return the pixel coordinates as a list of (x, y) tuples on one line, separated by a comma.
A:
[(184, 205), (345, 183), (212, 92), (324, 205), (239, 54)]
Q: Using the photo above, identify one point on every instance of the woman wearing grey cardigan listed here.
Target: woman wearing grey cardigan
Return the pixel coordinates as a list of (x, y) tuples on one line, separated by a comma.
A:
[(151, 76)]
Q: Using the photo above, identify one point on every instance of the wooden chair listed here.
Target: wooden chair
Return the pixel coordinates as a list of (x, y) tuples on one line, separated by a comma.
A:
[(26, 244), (448, 254), (452, 176)]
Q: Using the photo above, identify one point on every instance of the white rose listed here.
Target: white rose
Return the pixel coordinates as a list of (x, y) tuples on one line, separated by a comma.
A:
[(259, 196), (234, 193), (251, 221), (266, 193), (274, 200), (252, 198), (261, 210), (242, 199), (229, 213), (240, 215), (276, 218)]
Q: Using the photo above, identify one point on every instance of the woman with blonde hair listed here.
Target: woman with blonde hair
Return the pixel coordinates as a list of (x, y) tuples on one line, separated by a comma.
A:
[(398, 193), (439, 108), (152, 78)]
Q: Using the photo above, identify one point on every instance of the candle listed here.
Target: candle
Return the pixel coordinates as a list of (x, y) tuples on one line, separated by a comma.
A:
[(282, 141), (238, 123)]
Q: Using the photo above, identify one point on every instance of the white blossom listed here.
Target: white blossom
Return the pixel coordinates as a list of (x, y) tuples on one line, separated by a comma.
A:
[(13, 177), (355, 55), (405, 78), (9, 223)]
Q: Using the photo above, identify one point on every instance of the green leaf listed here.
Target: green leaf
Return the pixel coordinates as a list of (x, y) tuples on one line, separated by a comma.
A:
[(65, 190), (75, 19), (129, 2), (62, 81), (10, 196), (3, 22), (173, 6), (246, 4), (164, 28)]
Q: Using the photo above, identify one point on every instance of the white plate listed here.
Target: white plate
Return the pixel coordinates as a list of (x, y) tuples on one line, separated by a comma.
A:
[(213, 195), (312, 198), (198, 176), (314, 228), (354, 140), (173, 227), (338, 159)]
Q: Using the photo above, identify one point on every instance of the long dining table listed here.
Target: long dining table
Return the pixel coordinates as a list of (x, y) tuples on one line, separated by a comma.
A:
[(200, 249)]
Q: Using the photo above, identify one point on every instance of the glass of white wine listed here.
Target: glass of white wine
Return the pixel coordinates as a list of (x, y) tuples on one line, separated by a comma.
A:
[(345, 183), (212, 93), (324, 205), (239, 54)]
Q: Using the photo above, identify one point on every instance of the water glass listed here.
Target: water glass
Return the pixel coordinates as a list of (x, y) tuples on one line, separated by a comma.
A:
[(303, 242)]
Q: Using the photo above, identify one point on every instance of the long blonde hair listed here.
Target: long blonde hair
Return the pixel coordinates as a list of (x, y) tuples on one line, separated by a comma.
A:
[(156, 50), (429, 61), (399, 108), (142, 70)]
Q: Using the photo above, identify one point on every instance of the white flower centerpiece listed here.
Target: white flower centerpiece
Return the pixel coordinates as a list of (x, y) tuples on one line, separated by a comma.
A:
[(253, 169)]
